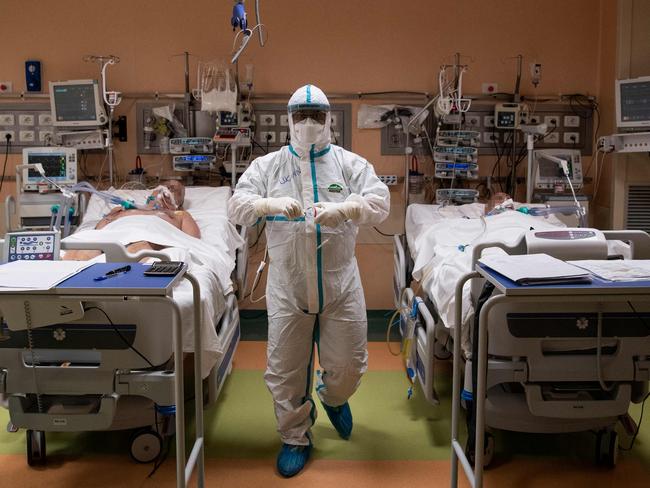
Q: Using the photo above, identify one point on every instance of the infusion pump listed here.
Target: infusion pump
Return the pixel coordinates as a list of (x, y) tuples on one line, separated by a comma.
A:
[(549, 176)]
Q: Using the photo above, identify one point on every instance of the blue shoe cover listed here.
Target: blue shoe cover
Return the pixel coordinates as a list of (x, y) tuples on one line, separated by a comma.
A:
[(292, 459), (341, 418)]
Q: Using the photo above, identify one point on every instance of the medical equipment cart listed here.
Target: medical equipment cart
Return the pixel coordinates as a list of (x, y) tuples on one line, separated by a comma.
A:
[(163, 387), (598, 291)]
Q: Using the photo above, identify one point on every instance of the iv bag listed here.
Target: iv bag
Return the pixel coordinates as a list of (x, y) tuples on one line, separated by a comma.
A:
[(217, 88)]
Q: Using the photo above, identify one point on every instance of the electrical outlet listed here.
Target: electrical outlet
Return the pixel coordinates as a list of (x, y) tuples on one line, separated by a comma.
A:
[(488, 121), (552, 121), (335, 121), (26, 136), (490, 137), (607, 144), (571, 138), (284, 137), (6, 86), (267, 119), (388, 180), (7, 119), (3, 136), (571, 121), (44, 119), (552, 138), (523, 118), (284, 120), (267, 137), (26, 119), (535, 73), (44, 136), (472, 121), (534, 119)]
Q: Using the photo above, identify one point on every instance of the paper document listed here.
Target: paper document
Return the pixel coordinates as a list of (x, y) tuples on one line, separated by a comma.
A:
[(535, 269), (618, 270), (37, 275)]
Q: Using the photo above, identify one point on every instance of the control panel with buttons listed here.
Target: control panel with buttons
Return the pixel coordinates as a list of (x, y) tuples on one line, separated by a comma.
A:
[(31, 246)]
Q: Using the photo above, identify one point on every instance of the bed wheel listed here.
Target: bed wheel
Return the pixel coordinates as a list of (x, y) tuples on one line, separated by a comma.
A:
[(146, 446), (488, 453), (36, 451), (607, 448)]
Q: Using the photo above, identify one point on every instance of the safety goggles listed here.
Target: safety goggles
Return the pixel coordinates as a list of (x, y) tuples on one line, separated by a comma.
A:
[(319, 116)]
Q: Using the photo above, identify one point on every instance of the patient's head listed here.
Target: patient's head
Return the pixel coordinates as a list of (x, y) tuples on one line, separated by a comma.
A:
[(496, 199), (169, 195)]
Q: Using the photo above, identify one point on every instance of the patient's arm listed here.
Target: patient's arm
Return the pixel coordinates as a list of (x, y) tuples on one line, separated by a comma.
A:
[(188, 225), (80, 254), (108, 218)]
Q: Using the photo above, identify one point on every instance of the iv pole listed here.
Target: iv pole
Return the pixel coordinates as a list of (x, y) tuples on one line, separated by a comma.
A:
[(112, 99)]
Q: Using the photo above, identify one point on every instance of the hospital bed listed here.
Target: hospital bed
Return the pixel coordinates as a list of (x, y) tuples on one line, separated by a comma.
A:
[(542, 374), (80, 363)]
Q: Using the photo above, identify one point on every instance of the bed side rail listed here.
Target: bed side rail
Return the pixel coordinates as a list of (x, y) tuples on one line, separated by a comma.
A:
[(10, 210), (517, 248), (639, 241), (114, 251), (241, 264), (399, 269)]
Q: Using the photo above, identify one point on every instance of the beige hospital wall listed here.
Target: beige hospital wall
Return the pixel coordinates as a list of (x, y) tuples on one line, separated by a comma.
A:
[(601, 206), (343, 46)]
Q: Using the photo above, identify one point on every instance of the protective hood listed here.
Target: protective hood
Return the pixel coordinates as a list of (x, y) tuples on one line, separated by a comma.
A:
[(309, 133)]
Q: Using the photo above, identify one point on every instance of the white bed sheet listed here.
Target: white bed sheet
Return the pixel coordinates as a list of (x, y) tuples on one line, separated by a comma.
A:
[(211, 259), (434, 234)]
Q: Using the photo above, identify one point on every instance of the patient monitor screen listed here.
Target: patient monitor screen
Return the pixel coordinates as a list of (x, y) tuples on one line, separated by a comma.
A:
[(75, 103), (53, 164), (549, 169), (635, 101)]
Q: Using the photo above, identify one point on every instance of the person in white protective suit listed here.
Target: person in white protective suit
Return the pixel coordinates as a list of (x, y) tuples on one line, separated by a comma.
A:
[(313, 196)]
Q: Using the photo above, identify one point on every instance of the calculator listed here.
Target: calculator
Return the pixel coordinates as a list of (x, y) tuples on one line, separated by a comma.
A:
[(164, 268)]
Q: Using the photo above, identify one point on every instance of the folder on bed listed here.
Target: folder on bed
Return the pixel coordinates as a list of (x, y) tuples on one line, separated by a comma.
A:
[(536, 269)]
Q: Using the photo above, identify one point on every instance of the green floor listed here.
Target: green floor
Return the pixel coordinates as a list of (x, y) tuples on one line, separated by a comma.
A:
[(387, 427)]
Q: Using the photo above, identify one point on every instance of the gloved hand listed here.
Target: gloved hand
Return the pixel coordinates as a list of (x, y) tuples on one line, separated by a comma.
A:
[(331, 214), (286, 206)]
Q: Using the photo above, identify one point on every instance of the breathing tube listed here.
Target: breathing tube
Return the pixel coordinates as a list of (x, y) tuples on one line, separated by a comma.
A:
[(108, 197), (564, 210)]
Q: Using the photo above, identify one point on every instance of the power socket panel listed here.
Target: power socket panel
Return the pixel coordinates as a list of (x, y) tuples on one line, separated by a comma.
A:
[(3, 137), (388, 180), (571, 138), (25, 122), (267, 138)]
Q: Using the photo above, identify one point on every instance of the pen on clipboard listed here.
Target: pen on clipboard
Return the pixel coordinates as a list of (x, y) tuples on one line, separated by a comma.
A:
[(114, 272)]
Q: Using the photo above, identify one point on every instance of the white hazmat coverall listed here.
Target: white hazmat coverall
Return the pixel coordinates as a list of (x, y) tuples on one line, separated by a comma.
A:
[(312, 272)]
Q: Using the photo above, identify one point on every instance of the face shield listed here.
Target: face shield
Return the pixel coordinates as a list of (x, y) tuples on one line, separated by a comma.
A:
[(309, 125)]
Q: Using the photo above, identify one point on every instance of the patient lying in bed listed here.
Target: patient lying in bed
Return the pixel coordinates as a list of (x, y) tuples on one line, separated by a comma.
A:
[(165, 202)]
